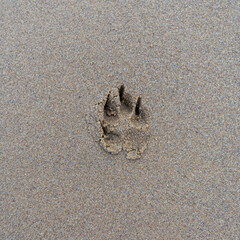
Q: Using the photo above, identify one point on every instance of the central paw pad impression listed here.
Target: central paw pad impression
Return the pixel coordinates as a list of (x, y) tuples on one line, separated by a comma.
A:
[(123, 124)]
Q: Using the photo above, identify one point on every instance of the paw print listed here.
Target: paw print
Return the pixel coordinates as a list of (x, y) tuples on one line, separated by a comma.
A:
[(123, 124)]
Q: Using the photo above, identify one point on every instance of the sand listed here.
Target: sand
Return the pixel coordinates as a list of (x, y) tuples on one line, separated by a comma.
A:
[(60, 58)]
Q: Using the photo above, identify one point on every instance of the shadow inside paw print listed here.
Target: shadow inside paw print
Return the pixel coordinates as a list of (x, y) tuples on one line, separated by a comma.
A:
[(123, 124)]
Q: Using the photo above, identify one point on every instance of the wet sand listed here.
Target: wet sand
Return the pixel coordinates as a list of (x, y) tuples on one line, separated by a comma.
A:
[(62, 57)]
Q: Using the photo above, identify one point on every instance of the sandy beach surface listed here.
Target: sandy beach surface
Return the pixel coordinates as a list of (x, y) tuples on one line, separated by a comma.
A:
[(59, 59)]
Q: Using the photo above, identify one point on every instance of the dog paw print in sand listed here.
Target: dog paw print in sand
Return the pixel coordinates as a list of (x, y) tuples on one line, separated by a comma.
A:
[(123, 123)]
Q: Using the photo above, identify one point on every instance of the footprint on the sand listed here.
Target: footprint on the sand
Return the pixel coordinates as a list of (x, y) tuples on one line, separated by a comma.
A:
[(123, 123)]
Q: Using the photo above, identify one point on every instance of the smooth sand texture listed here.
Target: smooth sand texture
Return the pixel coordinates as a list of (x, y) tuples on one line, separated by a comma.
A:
[(59, 59)]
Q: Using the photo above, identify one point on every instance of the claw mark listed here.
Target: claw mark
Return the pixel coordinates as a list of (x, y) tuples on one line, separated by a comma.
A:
[(121, 93), (110, 107), (106, 106), (138, 106), (125, 98)]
